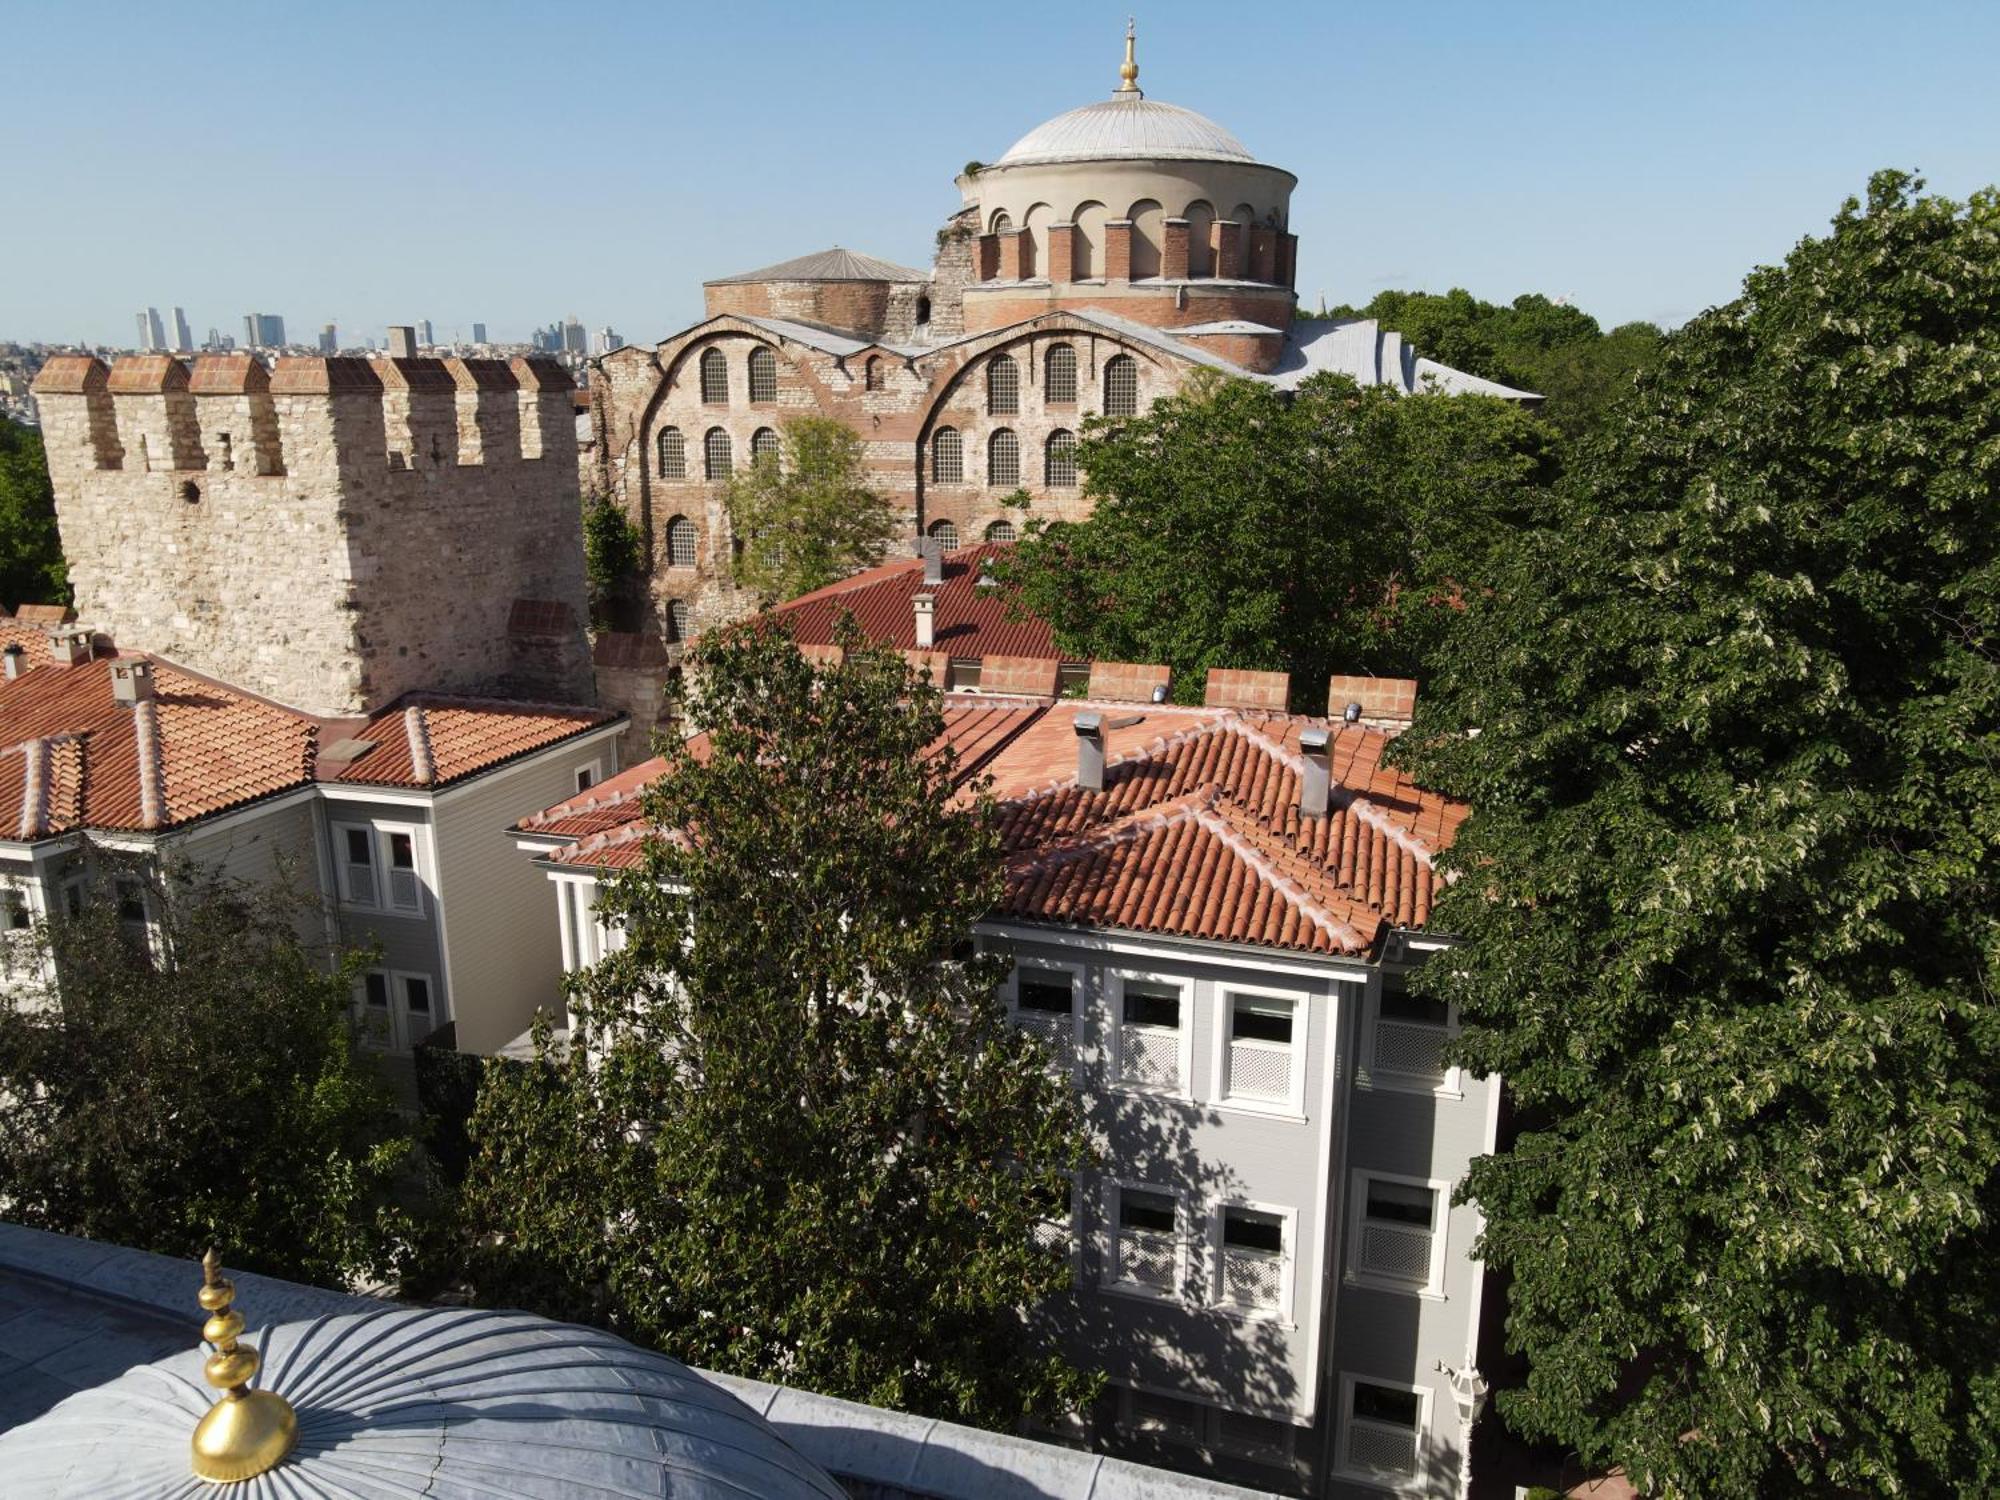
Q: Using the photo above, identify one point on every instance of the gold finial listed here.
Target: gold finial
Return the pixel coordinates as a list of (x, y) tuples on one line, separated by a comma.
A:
[(1128, 75), (246, 1432)]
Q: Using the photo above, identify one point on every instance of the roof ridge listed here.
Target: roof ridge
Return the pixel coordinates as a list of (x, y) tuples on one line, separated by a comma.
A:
[(1341, 795), (423, 769), (1287, 886), (152, 772), (1158, 746)]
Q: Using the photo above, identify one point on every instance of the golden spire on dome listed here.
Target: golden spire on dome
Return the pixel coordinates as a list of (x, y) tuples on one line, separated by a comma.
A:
[(246, 1432), (1128, 74)]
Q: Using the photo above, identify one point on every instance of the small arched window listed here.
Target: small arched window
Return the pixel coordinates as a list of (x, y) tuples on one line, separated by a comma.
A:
[(947, 456), (763, 444), (1059, 461), (1003, 458), (681, 539), (717, 456), (923, 311), (714, 378), (680, 619), (1061, 384), (945, 534), (673, 454), (1003, 387), (763, 377), (1001, 531), (871, 373), (1121, 386)]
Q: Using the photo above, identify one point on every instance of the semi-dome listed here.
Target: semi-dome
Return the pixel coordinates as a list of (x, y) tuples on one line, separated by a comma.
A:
[(1126, 127)]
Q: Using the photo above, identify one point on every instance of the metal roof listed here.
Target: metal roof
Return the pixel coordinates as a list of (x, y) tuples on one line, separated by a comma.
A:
[(835, 264), (1126, 127), (1368, 353)]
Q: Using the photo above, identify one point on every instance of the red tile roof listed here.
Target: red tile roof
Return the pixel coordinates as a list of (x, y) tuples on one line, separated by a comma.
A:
[(969, 620), (431, 740)]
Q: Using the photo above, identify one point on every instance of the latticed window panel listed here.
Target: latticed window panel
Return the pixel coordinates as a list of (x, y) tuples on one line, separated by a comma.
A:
[(763, 444), (1002, 531), (1121, 386), (1410, 1050), (680, 621), (1253, 1278), (673, 454), (718, 454), (1003, 459), (1061, 383), (1051, 1236), (1059, 461), (714, 378), (945, 534), (763, 376), (681, 542), (1147, 1259), (1003, 387), (1260, 1070), (1149, 1056), (1396, 1251), (1059, 1031), (947, 456), (1381, 1447)]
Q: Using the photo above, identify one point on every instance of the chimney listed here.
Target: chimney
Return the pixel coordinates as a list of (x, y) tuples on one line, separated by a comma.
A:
[(132, 682), (931, 549), (926, 605), (403, 343), (1318, 775), (1090, 751), (16, 659), (988, 579), (71, 645)]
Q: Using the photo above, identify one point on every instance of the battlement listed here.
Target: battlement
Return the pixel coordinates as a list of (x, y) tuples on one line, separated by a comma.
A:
[(227, 413)]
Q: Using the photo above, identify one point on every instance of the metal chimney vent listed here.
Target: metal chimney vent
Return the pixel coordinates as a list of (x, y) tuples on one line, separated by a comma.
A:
[(16, 659), (931, 549), (132, 682), (1090, 751), (1316, 782)]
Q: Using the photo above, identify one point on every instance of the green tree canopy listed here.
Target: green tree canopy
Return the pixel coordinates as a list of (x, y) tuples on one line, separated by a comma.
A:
[(1729, 888), (1235, 526), (613, 550), (197, 1089), (31, 561), (793, 1136), (807, 515)]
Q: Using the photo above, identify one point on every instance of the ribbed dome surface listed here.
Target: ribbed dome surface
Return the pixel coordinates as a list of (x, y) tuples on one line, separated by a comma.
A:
[(444, 1404), (1126, 128)]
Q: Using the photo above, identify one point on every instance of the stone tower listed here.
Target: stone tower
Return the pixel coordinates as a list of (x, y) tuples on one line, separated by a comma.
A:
[(329, 533)]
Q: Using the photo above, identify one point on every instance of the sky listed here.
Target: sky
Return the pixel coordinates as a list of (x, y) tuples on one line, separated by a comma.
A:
[(516, 163)]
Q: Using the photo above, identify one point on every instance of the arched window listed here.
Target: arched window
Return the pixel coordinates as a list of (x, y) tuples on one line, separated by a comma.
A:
[(1059, 461), (681, 539), (1003, 387), (763, 377), (945, 534), (1001, 531), (673, 454), (947, 456), (714, 378), (871, 373), (680, 619), (1061, 383), (1003, 458), (1121, 386), (717, 457), (923, 311), (763, 444)]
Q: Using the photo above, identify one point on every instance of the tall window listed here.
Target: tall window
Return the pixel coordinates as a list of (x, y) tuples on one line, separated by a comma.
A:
[(1261, 1063), (763, 376), (1146, 1250), (673, 454), (947, 456), (678, 620), (1121, 386), (1410, 1033), (1383, 1429), (871, 373), (1002, 531), (1003, 459), (1149, 1034), (1061, 383), (1003, 387), (945, 534), (681, 539), (717, 456), (763, 444), (1059, 460), (1397, 1233), (1252, 1265), (714, 378)]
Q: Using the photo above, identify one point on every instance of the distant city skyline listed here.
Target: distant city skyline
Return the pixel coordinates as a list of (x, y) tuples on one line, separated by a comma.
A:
[(1637, 162)]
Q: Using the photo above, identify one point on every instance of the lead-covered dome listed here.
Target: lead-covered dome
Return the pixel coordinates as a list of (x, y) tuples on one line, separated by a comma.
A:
[(1126, 127)]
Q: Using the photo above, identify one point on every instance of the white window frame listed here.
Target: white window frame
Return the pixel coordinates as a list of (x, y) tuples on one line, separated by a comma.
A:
[(1293, 1106), (1012, 991), (594, 769), (380, 847), (1109, 1277), (20, 956), (1432, 1287), (1115, 982), (1075, 1233), (1451, 1086), (1288, 1218), (1207, 1437), (1411, 1484)]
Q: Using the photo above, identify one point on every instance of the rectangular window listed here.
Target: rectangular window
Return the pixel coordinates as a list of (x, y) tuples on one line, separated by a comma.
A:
[(1262, 1064), (1146, 1248), (131, 895), (586, 776), (964, 673), (1045, 1003), (1055, 1232), (1149, 1034), (1253, 1259), (15, 920), (417, 994), (14, 913), (357, 846), (375, 990), (1410, 1033), (406, 892), (1384, 1429), (1169, 1417), (1397, 1232), (1261, 1439)]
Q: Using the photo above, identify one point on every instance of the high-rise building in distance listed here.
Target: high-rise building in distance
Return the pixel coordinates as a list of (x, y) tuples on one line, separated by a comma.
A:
[(152, 333), (478, 333), (574, 339), (609, 341), (183, 335), (424, 337), (263, 331), (329, 340)]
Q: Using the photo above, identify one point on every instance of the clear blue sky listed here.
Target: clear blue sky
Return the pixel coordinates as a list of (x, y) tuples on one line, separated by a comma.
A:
[(513, 163)]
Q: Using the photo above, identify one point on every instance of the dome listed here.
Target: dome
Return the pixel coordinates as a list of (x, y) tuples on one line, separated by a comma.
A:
[(1126, 127)]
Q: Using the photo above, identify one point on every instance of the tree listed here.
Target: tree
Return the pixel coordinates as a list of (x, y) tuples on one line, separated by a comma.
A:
[(1238, 527), (613, 549), (1730, 892), (31, 561), (806, 516), (198, 1088), (792, 1135)]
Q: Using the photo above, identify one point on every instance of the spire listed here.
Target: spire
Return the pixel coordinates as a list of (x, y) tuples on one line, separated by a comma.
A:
[(1128, 75), (247, 1431)]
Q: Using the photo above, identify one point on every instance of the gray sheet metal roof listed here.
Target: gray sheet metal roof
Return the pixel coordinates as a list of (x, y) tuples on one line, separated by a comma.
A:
[(828, 340), (1369, 354), (1126, 127), (835, 264)]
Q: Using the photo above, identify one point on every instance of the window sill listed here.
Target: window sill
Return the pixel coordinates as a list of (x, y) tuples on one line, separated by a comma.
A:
[(1139, 1292), (1269, 1317), (1151, 1090), (1265, 1109), (1391, 1484), (1367, 1283), (1391, 1084)]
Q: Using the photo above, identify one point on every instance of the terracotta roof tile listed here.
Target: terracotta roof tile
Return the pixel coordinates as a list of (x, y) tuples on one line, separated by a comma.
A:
[(458, 736), (969, 620)]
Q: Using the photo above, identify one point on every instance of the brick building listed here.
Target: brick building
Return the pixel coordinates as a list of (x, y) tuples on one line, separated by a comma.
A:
[(1093, 266)]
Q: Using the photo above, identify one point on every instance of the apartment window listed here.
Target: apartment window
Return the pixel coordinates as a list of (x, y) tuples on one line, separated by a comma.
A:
[(673, 453), (763, 444), (1059, 461), (1045, 1003), (587, 776), (1262, 1056), (416, 997), (1055, 1230), (1145, 1247), (945, 534), (682, 541), (375, 989), (1002, 531), (763, 377), (1003, 459), (1251, 1266), (14, 913), (131, 896), (718, 457), (1121, 386), (1397, 1232), (1060, 386), (378, 868), (406, 892), (1003, 387), (1149, 1033), (1383, 1430), (1410, 1033), (1259, 1439), (714, 378), (357, 872), (947, 456), (1167, 1418)]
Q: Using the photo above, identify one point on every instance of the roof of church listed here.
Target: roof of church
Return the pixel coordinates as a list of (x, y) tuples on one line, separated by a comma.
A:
[(1126, 127), (835, 264), (1369, 354)]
